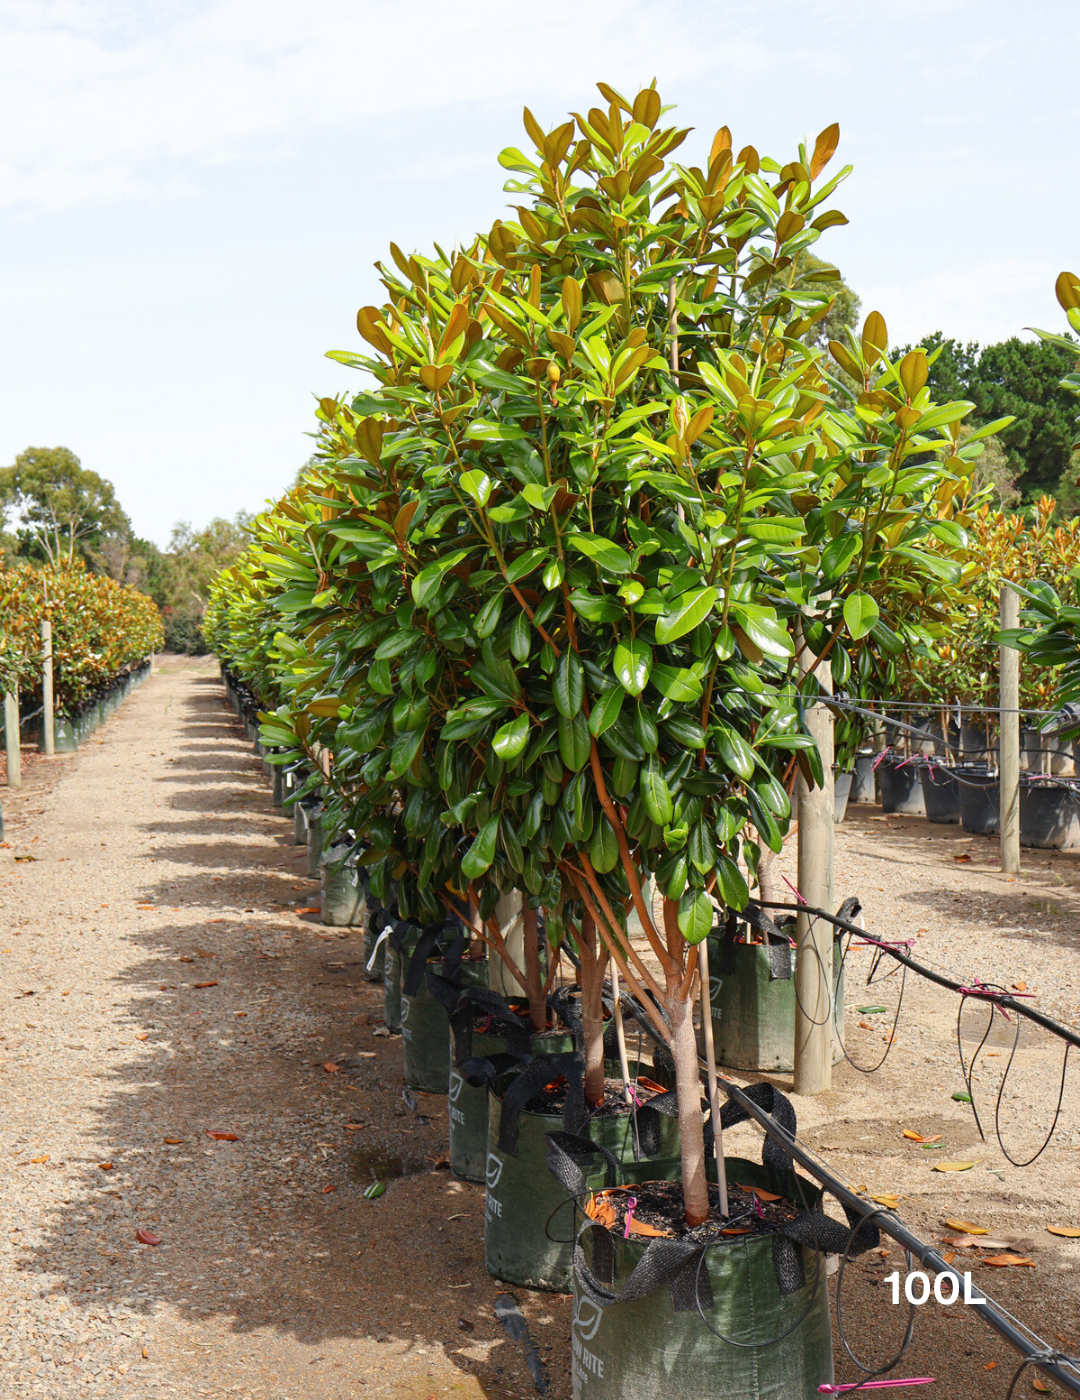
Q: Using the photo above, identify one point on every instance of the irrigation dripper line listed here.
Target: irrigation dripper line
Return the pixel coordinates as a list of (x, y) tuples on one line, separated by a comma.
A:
[(1033, 1349), (1002, 999)]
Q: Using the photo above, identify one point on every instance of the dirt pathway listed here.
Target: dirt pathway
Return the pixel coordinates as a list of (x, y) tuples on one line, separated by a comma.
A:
[(157, 983), (161, 977)]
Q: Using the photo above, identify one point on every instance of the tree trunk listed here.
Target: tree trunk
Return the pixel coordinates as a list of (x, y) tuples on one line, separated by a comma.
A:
[(534, 981), (691, 1125), (592, 1012)]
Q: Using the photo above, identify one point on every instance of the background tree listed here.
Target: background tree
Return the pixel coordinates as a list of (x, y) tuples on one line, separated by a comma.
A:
[(58, 505), (1034, 455)]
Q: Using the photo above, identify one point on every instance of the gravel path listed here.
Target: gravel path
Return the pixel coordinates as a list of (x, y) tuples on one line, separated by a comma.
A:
[(157, 983), (152, 862)]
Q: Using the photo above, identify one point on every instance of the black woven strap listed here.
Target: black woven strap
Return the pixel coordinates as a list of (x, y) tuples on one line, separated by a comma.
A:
[(773, 1102), (432, 936), (570, 1156), (480, 1070), (474, 1001), (526, 1085)]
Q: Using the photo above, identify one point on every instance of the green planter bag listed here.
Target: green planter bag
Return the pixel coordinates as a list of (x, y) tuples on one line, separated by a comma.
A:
[(65, 736), (425, 1020), (478, 1058), (647, 1315), (314, 841), (376, 934), (342, 894), (753, 999), (530, 1219)]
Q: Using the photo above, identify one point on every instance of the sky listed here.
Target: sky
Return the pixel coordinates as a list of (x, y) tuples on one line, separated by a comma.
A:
[(192, 195)]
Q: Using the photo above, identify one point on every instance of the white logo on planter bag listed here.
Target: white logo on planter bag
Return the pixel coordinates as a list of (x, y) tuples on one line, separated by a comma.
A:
[(715, 983), (586, 1318), (494, 1169), (406, 1007), (455, 1085)]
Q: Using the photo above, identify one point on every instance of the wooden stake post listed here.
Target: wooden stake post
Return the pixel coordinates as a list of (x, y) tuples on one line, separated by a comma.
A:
[(11, 740), (814, 941), (48, 723), (1009, 671)]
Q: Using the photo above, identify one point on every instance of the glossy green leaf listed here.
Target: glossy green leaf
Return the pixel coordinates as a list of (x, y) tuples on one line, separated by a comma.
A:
[(632, 665), (605, 711), (688, 610), (604, 553), (655, 792), (575, 741), (510, 740), (861, 612), (730, 886), (568, 684), (482, 851), (695, 916), (603, 846)]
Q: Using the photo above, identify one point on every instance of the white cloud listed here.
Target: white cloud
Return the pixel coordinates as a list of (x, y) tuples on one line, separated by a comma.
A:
[(92, 95)]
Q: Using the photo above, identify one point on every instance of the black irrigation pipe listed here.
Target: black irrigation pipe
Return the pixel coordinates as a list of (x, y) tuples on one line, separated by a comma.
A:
[(1002, 999), (1046, 1358)]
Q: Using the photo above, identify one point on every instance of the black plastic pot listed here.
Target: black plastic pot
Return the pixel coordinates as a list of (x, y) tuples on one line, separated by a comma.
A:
[(941, 793), (1049, 816), (980, 800), (863, 782), (901, 790)]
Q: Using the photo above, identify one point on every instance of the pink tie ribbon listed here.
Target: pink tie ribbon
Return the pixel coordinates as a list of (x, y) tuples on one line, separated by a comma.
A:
[(875, 1385)]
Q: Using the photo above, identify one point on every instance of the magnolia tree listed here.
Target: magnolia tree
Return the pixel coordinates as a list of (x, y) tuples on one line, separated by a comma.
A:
[(543, 596)]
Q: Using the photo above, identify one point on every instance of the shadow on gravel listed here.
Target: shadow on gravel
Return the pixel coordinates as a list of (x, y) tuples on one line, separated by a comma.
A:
[(1053, 912), (261, 1027)]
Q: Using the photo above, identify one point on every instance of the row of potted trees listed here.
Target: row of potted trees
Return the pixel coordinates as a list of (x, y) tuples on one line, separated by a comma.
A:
[(543, 619), (102, 634)]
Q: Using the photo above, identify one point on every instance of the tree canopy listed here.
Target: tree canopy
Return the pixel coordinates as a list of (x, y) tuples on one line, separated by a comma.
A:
[(57, 503), (1021, 379)]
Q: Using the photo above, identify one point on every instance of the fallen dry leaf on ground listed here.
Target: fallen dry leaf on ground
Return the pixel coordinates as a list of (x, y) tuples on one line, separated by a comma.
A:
[(331, 1068), (216, 1136), (887, 1199), (962, 858), (913, 1136), (1037, 1383), (147, 1237), (105, 1166), (354, 1127), (141, 906), (199, 985), (765, 1195), (989, 1365), (310, 909), (1019, 986), (966, 1226), (39, 1160), (144, 1035), (1068, 1232), (949, 1257), (172, 1142), (327, 1189), (952, 1166), (1002, 1261)]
